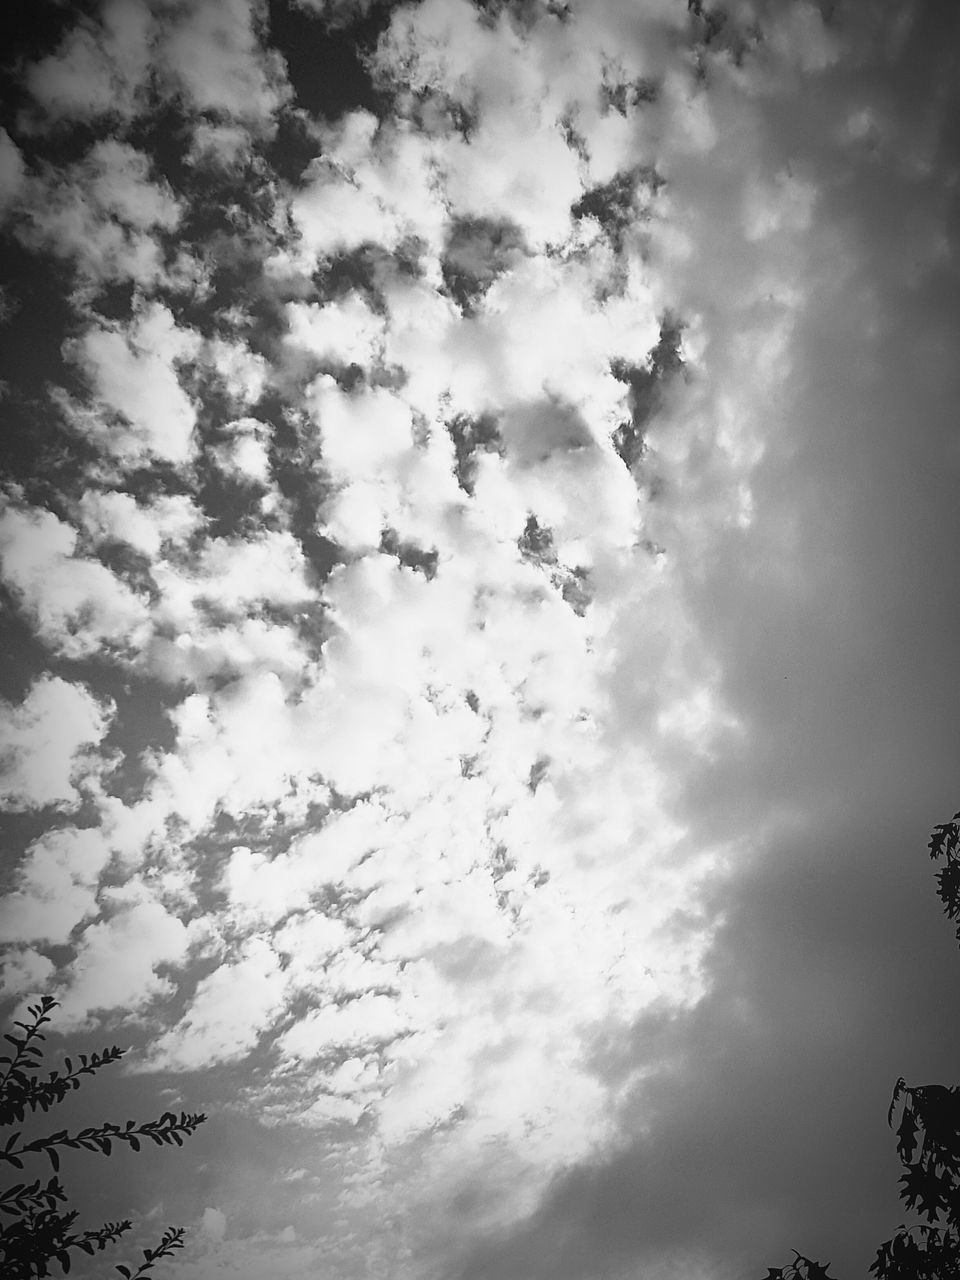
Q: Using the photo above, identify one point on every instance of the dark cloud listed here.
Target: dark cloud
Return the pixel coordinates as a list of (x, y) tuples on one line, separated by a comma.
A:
[(477, 251)]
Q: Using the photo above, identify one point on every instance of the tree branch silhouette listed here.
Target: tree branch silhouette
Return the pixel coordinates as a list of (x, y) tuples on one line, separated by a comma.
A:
[(40, 1232), (928, 1144)]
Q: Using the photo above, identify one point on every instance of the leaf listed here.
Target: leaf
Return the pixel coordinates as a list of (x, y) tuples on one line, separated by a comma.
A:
[(898, 1089), (124, 1271), (907, 1136)]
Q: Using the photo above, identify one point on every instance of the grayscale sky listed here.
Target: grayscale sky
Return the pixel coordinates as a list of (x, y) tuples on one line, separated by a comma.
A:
[(479, 547)]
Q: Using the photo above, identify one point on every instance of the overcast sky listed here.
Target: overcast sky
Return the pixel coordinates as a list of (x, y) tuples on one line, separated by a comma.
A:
[(479, 552)]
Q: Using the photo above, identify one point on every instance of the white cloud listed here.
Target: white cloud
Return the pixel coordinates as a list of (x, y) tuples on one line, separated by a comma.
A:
[(371, 185), (246, 453), (99, 68), (263, 891), (367, 1019), (206, 51), (56, 886), (147, 937), (25, 972), (114, 516), (206, 648), (234, 574), (45, 744), (214, 1225), (242, 371), (363, 434), (76, 605), (230, 1010), (106, 214), (143, 413), (212, 54), (347, 331)]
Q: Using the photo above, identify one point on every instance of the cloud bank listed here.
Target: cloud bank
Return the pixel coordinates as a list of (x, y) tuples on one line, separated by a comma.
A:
[(407, 586)]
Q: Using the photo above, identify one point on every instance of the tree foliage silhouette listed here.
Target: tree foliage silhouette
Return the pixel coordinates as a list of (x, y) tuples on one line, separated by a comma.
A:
[(928, 1144), (37, 1228)]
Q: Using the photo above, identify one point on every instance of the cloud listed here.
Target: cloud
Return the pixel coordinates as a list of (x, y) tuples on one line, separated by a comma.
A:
[(339, 12), (100, 68), (262, 890), (230, 1010), (115, 516), (106, 214), (245, 455), (45, 745), (76, 605), (213, 56), (470, 539), (11, 170), (207, 53), (25, 972), (56, 888), (140, 410), (214, 1225), (370, 1017), (147, 936)]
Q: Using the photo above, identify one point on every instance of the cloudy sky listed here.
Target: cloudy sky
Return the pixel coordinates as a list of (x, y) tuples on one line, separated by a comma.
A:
[(479, 540)]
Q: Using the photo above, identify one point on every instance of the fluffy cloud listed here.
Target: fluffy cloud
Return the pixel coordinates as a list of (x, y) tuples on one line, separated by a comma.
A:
[(212, 55), (147, 936), (77, 605), (106, 214), (141, 411), (45, 744), (56, 887), (114, 516), (245, 455), (214, 1224), (231, 1008), (208, 53), (25, 972), (98, 68)]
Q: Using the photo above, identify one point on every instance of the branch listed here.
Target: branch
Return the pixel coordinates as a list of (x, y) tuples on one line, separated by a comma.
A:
[(172, 1239), (43, 1235), (25, 1091), (162, 1131), (25, 1048)]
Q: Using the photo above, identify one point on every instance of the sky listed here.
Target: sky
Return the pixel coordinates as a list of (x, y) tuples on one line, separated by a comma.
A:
[(478, 544)]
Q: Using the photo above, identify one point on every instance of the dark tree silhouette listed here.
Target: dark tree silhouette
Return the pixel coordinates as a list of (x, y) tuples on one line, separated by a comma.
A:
[(38, 1225), (928, 1144)]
